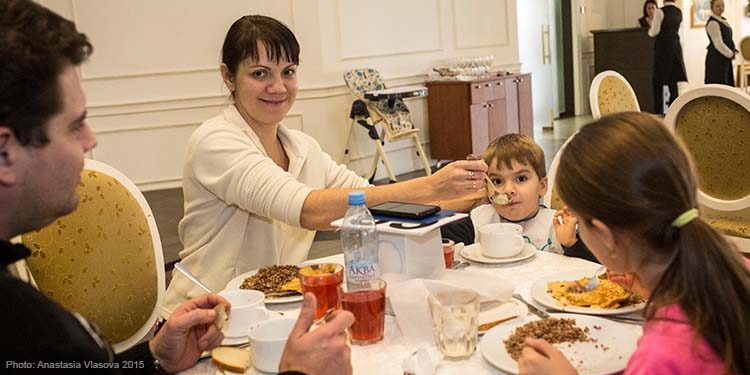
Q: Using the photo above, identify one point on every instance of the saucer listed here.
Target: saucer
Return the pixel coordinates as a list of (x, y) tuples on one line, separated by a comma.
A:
[(473, 253)]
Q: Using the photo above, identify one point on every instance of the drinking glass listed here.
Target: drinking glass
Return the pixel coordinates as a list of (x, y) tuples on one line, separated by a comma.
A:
[(322, 280), (449, 248), (454, 322), (367, 304)]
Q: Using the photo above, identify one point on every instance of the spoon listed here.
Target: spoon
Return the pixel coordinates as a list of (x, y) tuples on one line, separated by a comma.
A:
[(496, 198), (185, 271)]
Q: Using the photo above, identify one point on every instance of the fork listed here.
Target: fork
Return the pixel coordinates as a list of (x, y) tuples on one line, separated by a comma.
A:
[(594, 280)]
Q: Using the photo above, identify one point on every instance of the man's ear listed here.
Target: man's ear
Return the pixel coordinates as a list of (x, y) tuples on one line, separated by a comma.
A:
[(543, 186), (227, 77), (8, 149)]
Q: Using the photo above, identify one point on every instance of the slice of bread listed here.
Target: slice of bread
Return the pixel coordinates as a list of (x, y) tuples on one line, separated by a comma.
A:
[(231, 359), (221, 315)]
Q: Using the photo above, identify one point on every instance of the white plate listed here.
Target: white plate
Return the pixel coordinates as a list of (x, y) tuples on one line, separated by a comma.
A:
[(473, 252), (587, 357), (237, 281), (539, 292), (491, 311)]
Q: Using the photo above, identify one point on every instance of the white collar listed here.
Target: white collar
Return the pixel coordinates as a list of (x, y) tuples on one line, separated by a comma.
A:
[(720, 18)]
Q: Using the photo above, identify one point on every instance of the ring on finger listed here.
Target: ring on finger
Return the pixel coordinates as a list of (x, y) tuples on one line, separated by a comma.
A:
[(473, 184), (471, 175)]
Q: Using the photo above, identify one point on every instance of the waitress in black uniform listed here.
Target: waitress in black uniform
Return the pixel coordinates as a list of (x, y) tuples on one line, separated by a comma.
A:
[(721, 49), (669, 67)]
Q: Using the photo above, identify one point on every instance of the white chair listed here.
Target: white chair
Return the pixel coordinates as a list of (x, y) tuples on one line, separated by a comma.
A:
[(105, 259), (610, 93), (714, 123), (551, 199), (745, 54)]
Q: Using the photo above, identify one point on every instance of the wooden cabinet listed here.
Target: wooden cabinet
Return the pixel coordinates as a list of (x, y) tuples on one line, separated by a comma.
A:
[(466, 115)]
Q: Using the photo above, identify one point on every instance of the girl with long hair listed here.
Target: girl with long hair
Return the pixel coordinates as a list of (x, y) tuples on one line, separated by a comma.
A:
[(632, 187)]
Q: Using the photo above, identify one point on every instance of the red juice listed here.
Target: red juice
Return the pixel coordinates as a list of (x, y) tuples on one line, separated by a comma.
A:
[(368, 307), (324, 287)]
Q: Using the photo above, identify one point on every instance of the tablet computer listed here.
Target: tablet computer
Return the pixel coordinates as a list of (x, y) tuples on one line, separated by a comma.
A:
[(404, 210)]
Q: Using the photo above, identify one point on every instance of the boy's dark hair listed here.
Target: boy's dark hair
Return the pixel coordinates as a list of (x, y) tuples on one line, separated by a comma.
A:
[(518, 147), (35, 46), (243, 36)]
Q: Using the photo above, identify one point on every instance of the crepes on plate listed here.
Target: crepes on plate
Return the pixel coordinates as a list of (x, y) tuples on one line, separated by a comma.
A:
[(275, 279), (607, 295)]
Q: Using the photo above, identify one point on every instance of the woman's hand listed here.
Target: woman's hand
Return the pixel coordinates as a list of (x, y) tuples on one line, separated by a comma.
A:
[(187, 333), (629, 281), (458, 179), (539, 357), (565, 227)]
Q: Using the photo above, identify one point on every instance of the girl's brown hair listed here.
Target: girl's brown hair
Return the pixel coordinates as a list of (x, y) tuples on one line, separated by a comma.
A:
[(628, 171)]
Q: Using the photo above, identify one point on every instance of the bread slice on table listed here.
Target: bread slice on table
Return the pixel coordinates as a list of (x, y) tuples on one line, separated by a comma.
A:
[(231, 359)]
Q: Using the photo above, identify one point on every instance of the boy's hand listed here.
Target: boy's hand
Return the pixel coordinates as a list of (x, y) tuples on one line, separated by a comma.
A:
[(565, 227)]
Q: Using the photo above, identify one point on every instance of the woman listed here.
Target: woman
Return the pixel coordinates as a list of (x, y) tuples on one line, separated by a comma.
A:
[(649, 7), (720, 48), (255, 191), (635, 202), (669, 67)]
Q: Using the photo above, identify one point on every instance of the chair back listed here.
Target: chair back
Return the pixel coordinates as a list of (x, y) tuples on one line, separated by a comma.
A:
[(394, 114), (713, 122), (610, 93), (551, 198), (745, 48), (104, 260)]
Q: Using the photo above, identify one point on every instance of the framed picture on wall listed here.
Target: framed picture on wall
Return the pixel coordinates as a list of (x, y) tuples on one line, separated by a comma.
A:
[(700, 10)]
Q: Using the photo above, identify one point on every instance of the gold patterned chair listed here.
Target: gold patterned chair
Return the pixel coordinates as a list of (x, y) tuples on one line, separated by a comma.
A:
[(551, 198), (714, 123), (104, 260), (610, 93)]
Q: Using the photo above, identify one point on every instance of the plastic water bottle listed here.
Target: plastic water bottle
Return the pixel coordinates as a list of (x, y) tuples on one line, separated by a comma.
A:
[(359, 243)]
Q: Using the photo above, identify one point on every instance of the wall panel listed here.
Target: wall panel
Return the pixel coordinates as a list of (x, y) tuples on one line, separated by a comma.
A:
[(481, 23)]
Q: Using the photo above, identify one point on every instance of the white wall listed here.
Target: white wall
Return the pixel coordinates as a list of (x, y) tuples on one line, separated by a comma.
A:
[(154, 76)]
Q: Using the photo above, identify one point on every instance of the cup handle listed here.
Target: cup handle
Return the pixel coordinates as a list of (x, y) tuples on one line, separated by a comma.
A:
[(262, 313), (526, 238)]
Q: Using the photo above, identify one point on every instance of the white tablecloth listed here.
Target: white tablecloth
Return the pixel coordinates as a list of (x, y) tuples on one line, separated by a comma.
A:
[(386, 356)]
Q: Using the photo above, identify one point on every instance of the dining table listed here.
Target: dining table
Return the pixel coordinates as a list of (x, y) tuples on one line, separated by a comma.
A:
[(386, 356)]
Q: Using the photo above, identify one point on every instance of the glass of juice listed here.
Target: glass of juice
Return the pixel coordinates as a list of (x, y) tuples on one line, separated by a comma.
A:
[(321, 280), (367, 304), (449, 248)]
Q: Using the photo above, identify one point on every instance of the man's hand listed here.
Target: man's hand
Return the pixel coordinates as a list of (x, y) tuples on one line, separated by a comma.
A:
[(187, 333), (324, 350)]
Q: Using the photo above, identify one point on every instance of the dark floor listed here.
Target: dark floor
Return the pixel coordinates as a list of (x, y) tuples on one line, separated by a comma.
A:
[(167, 204)]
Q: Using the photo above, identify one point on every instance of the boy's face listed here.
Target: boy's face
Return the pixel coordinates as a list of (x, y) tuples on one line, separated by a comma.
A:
[(523, 184)]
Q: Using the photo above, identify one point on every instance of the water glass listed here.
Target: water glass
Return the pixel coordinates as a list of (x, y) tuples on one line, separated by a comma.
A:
[(367, 304), (449, 248), (454, 322)]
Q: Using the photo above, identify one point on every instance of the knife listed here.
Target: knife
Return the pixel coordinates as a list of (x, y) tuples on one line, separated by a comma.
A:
[(534, 310)]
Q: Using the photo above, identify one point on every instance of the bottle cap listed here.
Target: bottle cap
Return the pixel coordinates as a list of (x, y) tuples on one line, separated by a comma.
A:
[(356, 198)]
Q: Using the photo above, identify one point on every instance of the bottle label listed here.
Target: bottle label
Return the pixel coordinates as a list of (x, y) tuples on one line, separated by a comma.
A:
[(361, 270)]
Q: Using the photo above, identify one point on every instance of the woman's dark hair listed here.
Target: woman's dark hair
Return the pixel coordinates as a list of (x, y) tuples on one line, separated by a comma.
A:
[(645, 5), (35, 46), (628, 171), (243, 36)]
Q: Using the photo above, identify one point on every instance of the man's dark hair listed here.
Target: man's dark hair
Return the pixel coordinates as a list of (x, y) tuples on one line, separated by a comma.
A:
[(35, 46)]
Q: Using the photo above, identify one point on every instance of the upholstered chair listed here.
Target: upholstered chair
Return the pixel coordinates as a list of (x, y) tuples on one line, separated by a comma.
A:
[(611, 93), (713, 121), (104, 260)]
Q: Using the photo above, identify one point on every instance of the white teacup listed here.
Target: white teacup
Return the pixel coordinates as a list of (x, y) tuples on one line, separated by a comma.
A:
[(501, 240), (248, 308), (267, 340)]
